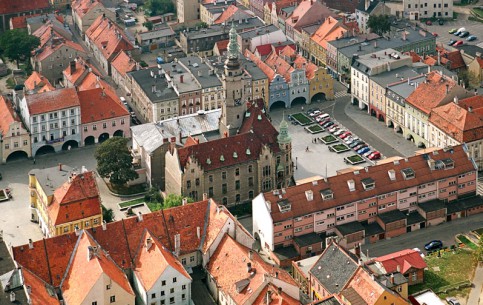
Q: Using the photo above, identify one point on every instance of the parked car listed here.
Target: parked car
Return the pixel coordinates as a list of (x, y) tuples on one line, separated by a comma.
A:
[(315, 113), (363, 150), (458, 43), (328, 124), (471, 38), (355, 143), (429, 22), (367, 153), (324, 121), (345, 135), (464, 34), (459, 31), (349, 140), (358, 147), (374, 156), (289, 117), (452, 42), (339, 132), (433, 245), (452, 31), (452, 301), (440, 21), (333, 128)]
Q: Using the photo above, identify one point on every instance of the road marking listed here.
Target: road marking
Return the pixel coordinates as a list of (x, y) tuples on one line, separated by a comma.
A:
[(341, 94)]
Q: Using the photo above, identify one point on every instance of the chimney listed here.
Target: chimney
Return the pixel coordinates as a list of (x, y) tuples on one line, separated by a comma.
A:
[(279, 290), (60, 167), (398, 268), (455, 99), (181, 78), (200, 73), (77, 231), (12, 297), (140, 216), (470, 109), (205, 196), (198, 232), (357, 249), (153, 88), (439, 58), (177, 243), (31, 244), (104, 225), (185, 201), (72, 67), (249, 267), (269, 292), (392, 279), (250, 255), (149, 243), (447, 88)]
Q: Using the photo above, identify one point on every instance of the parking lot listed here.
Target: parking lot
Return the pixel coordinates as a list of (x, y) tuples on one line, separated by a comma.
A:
[(475, 28)]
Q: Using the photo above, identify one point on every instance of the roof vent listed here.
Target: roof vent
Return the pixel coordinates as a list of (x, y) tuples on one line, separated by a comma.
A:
[(392, 174), (208, 161), (352, 185), (222, 158), (310, 195), (314, 182), (396, 162), (259, 117), (248, 151), (235, 155)]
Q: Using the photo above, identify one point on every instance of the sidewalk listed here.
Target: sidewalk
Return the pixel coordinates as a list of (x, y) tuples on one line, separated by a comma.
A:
[(475, 297)]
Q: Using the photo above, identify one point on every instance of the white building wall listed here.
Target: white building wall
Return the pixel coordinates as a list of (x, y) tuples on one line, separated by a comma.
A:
[(100, 294), (262, 221), (273, 37)]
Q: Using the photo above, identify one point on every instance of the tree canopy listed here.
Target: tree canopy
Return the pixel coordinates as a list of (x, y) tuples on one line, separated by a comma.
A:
[(159, 7), (18, 45), (114, 161), (379, 24), (173, 200)]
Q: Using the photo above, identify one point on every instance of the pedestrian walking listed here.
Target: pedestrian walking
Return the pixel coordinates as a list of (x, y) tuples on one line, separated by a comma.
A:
[(34, 161), (307, 149)]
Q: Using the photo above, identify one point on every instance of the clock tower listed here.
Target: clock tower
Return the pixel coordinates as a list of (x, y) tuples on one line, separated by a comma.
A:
[(234, 106)]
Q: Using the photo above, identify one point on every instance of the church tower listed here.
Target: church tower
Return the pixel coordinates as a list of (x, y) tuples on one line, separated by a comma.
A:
[(234, 106), (285, 167)]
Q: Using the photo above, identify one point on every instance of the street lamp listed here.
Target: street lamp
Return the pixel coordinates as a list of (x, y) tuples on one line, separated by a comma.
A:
[(296, 162)]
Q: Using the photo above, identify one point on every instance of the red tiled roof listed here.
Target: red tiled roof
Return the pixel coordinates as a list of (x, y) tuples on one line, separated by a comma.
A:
[(152, 260), (20, 6), (20, 22), (222, 45), (81, 7), (97, 106), (82, 69), (308, 12), (92, 81), (36, 81), (262, 65), (276, 297), (458, 122), (415, 57), (255, 132), (105, 35), (38, 288), (432, 92), (264, 49), (364, 287), (75, 200), (52, 100), (330, 30), (228, 265), (84, 273), (7, 115), (227, 14), (379, 173), (404, 259), (123, 63), (279, 65)]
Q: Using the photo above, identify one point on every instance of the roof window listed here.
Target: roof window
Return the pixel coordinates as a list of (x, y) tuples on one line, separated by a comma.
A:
[(284, 205), (408, 173), (327, 194), (368, 183)]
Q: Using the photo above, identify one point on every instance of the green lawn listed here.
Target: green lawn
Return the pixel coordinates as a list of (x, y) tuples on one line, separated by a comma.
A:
[(301, 118), (129, 203), (454, 268), (315, 128), (329, 139), (478, 12), (338, 148), (355, 159), (467, 242)]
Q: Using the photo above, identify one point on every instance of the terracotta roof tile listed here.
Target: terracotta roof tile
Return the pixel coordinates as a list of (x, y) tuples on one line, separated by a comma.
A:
[(52, 100), (81, 7), (330, 30), (97, 106), (20, 22), (36, 81), (277, 298), (379, 173), (280, 66), (255, 132), (227, 14), (74, 200), (365, 287), (262, 65), (404, 259), (458, 122), (7, 115), (43, 292), (222, 45), (431, 93), (232, 256), (109, 38), (84, 273), (264, 50), (308, 12), (216, 222), (123, 63), (81, 71), (152, 260), (20, 6)]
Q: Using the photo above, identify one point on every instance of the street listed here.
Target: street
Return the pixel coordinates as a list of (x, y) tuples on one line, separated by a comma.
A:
[(417, 239)]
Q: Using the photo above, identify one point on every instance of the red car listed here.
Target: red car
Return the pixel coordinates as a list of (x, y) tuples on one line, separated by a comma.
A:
[(435, 34), (458, 43), (345, 135), (374, 156)]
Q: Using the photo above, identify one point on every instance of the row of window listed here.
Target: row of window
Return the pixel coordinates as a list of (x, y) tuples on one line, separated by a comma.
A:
[(52, 136), (15, 144), (52, 115), (104, 125)]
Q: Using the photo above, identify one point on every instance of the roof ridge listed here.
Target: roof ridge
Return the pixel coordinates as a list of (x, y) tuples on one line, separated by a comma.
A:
[(70, 259)]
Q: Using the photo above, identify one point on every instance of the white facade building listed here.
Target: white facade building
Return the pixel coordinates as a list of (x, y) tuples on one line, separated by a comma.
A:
[(417, 9)]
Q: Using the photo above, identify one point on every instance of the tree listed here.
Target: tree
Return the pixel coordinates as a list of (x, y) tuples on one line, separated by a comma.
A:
[(173, 200), (148, 25), (107, 214), (159, 7), (469, 79), (18, 44), (479, 251), (379, 24), (114, 161)]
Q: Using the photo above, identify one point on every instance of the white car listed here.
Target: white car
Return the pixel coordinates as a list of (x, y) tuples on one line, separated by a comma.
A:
[(452, 301), (334, 129), (339, 132), (367, 153)]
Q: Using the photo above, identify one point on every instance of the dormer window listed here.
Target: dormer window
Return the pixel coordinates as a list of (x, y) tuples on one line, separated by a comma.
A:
[(327, 194), (352, 185), (368, 183), (408, 173), (309, 195), (284, 205), (448, 163)]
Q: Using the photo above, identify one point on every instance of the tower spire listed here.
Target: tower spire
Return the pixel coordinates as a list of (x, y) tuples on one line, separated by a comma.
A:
[(232, 61)]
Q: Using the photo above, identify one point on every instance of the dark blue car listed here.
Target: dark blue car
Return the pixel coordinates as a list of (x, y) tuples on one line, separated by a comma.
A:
[(433, 245)]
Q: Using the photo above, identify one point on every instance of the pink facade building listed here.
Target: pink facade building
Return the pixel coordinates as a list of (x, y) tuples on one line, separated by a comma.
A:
[(378, 202)]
